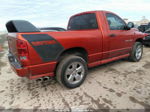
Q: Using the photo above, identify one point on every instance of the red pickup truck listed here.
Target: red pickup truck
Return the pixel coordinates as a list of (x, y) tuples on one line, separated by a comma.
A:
[(92, 38)]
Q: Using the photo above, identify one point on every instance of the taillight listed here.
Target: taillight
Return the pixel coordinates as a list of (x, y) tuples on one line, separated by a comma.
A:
[(22, 50)]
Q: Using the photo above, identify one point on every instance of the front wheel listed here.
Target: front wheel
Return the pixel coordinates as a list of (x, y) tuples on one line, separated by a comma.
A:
[(137, 51), (71, 71)]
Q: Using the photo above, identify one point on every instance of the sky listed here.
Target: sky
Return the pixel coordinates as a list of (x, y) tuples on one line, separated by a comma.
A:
[(56, 13)]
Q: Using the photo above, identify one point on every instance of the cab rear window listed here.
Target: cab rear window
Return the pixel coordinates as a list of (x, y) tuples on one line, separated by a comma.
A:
[(83, 22)]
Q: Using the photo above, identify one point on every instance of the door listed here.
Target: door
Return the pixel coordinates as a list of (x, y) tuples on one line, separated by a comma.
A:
[(120, 39)]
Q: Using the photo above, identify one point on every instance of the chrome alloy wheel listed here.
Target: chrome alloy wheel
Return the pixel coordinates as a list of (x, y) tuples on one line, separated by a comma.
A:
[(138, 52), (75, 72)]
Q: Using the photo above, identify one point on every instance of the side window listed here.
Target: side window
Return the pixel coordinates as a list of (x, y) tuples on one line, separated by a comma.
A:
[(115, 23)]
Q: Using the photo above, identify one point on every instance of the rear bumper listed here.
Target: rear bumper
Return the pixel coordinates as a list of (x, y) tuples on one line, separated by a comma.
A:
[(33, 71), (40, 70), (22, 72)]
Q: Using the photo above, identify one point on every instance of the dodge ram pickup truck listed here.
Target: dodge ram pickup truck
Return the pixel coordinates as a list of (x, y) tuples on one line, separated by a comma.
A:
[(92, 38)]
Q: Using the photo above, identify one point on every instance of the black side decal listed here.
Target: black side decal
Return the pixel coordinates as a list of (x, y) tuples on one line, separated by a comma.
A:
[(46, 46)]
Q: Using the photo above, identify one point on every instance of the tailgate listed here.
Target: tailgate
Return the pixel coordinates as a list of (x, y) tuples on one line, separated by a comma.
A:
[(16, 49), (13, 28)]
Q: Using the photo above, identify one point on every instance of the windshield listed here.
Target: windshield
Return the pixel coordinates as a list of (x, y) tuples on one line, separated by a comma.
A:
[(83, 22)]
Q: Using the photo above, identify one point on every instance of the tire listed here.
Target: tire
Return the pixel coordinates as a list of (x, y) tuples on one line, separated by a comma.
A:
[(71, 71), (137, 52)]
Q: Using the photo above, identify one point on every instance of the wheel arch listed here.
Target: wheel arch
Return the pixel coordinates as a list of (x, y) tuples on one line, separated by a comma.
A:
[(75, 50)]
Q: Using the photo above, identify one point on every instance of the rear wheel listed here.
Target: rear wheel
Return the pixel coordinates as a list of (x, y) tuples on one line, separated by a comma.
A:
[(137, 52), (71, 71)]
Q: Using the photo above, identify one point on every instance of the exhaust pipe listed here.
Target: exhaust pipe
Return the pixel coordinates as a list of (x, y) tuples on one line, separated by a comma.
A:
[(43, 79), (46, 78), (40, 80)]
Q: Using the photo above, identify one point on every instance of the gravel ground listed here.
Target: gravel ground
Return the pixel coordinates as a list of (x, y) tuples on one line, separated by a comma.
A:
[(117, 85)]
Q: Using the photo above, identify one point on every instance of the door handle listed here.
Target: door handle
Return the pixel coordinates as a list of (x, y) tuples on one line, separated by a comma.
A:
[(112, 35)]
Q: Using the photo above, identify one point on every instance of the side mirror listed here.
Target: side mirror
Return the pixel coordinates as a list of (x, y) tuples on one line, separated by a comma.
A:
[(130, 25)]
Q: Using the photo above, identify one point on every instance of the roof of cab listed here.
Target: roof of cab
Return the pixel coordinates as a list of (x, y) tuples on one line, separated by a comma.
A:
[(86, 12)]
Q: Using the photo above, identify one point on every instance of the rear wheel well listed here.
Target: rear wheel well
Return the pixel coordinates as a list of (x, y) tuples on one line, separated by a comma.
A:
[(74, 51)]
